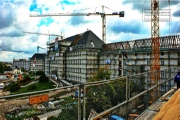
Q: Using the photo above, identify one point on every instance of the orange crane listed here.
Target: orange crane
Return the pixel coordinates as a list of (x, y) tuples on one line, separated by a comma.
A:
[(155, 43), (102, 14)]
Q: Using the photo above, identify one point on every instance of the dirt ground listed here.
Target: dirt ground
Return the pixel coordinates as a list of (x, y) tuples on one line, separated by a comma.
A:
[(170, 110)]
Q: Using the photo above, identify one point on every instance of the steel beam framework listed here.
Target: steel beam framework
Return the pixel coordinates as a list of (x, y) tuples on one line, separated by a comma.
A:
[(166, 42)]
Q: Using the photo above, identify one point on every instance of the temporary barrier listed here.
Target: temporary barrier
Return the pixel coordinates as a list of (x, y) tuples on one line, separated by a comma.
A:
[(38, 99)]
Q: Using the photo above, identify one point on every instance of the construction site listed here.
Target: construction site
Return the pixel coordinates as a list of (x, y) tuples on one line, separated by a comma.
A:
[(140, 85)]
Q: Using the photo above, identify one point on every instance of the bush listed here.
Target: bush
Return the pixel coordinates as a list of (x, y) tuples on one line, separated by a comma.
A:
[(52, 118), (40, 73), (25, 81), (43, 78), (8, 87), (15, 88), (32, 87)]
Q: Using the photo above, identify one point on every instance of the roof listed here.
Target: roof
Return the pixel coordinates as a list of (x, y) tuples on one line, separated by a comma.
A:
[(87, 38), (10, 68), (38, 56)]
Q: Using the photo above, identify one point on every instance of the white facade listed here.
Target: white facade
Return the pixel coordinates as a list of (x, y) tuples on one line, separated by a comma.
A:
[(74, 58), (39, 60), (81, 64)]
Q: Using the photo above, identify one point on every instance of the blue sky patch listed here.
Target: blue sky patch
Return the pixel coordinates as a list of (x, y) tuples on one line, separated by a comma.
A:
[(45, 22), (128, 27), (67, 2), (77, 20), (33, 7)]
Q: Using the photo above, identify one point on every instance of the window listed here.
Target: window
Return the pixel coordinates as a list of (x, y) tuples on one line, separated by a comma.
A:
[(162, 74), (162, 53), (135, 62), (162, 87), (148, 62), (115, 72), (162, 61), (178, 62)]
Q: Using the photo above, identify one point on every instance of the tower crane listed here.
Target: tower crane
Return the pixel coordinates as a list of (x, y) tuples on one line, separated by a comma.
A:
[(43, 34), (39, 47), (102, 14), (155, 42)]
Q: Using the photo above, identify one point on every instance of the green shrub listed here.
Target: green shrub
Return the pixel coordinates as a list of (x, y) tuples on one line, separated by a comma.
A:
[(43, 78), (32, 87), (15, 88), (40, 73)]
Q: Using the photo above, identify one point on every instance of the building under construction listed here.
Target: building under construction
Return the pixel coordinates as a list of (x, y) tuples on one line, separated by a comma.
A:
[(37, 62), (76, 58), (133, 57)]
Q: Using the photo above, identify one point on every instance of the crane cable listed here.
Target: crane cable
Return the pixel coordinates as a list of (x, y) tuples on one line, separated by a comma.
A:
[(169, 17), (96, 8)]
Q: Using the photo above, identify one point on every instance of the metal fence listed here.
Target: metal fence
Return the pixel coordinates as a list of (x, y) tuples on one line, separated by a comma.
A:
[(124, 96), (62, 103), (137, 96)]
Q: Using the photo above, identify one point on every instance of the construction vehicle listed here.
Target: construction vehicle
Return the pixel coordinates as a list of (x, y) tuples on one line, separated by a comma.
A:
[(102, 14)]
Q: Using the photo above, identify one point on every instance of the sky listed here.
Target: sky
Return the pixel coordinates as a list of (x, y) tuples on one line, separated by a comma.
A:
[(15, 20)]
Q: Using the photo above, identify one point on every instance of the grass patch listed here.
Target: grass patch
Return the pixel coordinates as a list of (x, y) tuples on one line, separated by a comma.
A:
[(36, 87)]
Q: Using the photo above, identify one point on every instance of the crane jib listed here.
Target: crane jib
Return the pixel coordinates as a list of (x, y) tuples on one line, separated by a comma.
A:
[(75, 14)]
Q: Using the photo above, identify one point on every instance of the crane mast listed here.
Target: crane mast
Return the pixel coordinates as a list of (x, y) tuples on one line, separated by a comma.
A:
[(103, 25), (155, 67), (102, 14)]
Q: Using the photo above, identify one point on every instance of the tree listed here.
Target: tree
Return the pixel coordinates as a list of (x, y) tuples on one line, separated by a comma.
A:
[(101, 74), (22, 69), (104, 96), (69, 113), (2, 67)]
